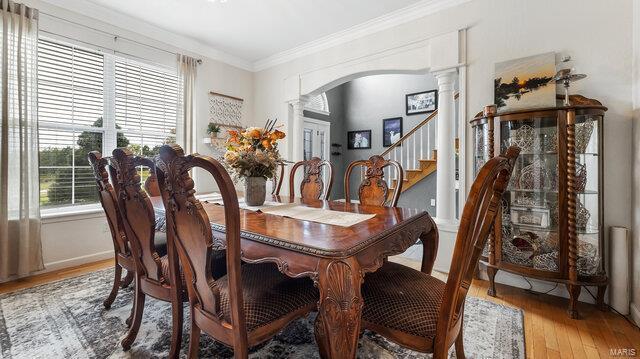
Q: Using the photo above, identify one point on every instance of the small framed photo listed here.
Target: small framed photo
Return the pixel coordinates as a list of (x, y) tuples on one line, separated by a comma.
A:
[(391, 131), (359, 140), (422, 102)]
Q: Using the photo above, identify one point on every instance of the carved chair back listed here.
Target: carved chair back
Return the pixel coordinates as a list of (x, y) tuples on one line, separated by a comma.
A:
[(189, 226), (373, 189), (476, 222), (137, 211), (151, 185), (109, 202), (278, 179), (312, 185)]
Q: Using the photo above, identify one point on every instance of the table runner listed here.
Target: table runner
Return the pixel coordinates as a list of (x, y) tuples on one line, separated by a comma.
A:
[(291, 210), (319, 215)]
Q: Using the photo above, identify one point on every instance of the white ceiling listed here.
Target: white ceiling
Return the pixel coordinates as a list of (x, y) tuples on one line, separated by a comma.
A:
[(254, 29), (255, 34)]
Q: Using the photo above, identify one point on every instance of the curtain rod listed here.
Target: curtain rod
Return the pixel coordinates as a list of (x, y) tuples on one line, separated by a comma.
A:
[(115, 37)]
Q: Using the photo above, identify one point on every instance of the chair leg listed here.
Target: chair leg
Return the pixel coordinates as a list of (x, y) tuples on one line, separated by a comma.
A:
[(127, 279), (116, 285), (176, 330), (460, 346), (138, 309), (130, 318), (194, 339)]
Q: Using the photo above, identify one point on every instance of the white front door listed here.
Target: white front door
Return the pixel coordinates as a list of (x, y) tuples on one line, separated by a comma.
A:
[(316, 139)]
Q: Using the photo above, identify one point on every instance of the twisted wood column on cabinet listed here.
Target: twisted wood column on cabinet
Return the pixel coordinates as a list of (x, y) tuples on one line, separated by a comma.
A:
[(490, 113), (572, 287)]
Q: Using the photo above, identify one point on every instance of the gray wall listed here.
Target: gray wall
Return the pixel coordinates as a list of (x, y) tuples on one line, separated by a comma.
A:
[(362, 104), (371, 99)]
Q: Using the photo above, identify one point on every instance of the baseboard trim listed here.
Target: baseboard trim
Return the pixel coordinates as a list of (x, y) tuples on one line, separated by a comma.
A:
[(635, 312), (73, 262)]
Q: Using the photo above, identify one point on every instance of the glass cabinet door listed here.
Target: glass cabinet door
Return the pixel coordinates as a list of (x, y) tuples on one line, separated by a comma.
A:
[(481, 146), (481, 156), (530, 229), (587, 186)]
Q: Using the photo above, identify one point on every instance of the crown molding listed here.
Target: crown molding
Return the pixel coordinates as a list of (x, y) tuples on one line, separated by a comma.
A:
[(392, 19), (179, 42), (173, 41)]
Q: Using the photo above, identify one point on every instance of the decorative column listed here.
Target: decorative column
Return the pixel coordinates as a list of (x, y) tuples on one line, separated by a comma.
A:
[(445, 165), (296, 133)]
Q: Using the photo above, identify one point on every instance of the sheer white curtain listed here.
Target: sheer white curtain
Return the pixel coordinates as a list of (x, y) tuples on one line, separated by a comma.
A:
[(20, 246), (185, 132)]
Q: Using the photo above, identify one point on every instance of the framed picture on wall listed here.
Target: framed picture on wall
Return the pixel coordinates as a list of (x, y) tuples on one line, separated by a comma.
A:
[(359, 140), (421, 102), (391, 131)]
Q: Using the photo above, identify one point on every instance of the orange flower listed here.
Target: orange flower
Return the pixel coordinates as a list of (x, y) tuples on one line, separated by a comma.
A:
[(233, 136), (266, 144), (278, 134), (253, 134)]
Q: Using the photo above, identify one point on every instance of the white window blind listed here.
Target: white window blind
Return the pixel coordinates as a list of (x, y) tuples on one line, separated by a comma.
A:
[(88, 100), (318, 104), (70, 110), (146, 105)]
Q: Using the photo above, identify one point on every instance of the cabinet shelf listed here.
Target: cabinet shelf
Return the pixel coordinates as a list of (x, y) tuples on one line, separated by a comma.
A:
[(585, 231), (552, 191)]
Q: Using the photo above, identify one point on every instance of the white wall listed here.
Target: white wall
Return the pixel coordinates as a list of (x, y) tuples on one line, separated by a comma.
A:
[(74, 240), (597, 35), (635, 234)]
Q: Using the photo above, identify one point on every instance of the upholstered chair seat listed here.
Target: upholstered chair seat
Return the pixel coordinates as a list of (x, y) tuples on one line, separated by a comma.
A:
[(268, 295), (402, 299)]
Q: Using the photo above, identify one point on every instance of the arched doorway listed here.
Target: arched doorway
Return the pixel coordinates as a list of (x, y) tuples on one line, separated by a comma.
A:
[(443, 56)]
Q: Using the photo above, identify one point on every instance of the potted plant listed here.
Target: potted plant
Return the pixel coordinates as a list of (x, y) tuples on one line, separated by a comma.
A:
[(253, 156), (213, 130)]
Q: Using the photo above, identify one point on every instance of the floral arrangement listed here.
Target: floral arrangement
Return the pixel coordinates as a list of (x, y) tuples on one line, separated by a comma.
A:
[(254, 151)]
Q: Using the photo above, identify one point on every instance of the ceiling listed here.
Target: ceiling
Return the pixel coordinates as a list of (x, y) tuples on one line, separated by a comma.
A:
[(253, 34), (254, 29)]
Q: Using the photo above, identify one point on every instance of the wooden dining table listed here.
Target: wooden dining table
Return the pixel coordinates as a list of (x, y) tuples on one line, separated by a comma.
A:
[(336, 258)]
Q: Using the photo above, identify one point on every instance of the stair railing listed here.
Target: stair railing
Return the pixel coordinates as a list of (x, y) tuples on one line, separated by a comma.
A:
[(414, 146)]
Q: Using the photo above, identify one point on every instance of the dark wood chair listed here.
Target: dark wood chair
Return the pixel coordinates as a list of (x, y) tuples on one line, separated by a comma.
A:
[(420, 312), (373, 189), (312, 185), (109, 202), (152, 276), (278, 179), (253, 301), (151, 185)]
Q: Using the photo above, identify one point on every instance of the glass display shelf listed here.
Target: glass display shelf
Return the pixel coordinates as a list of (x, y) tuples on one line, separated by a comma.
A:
[(552, 191), (588, 230)]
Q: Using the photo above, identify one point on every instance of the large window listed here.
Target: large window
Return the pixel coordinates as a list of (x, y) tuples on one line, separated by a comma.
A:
[(88, 100)]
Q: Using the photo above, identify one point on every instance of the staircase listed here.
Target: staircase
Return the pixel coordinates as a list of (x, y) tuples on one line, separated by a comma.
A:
[(416, 152)]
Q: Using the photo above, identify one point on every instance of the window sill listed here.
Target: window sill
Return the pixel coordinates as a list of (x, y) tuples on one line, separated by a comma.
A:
[(63, 214)]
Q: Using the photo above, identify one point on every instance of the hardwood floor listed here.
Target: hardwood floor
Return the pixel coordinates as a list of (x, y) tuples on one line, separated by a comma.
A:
[(549, 333)]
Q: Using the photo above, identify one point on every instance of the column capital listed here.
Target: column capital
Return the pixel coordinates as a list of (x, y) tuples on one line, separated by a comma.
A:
[(300, 101), (445, 77)]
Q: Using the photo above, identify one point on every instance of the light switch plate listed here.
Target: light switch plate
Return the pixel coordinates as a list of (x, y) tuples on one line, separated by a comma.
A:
[(433, 202)]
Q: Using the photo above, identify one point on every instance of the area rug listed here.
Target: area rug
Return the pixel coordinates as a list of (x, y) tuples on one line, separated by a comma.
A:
[(66, 319)]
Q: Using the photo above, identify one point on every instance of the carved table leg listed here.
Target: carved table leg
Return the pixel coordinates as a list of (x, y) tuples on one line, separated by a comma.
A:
[(574, 293), (337, 326), (429, 249)]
